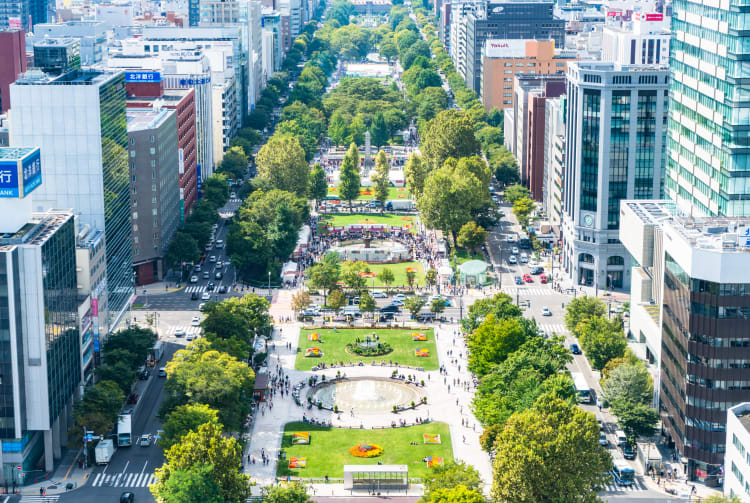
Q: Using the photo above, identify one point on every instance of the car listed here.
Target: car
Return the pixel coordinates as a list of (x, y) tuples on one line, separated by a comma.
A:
[(575, 349), (206, 296), (537, 270), (162, 372), (546, 311), (393, 308), (197, 268), (127, 497), (212, 259), (194, 296), (219, 243), (512, 259), (514, 250), (144, 374), (379, 295), (133, 398), (397, 302), (510, 239), (144, 441), (435, 297), (210, 286), (208, 246), (603, 440), (399, 296), (543, 278), (190, 337), (222, 289), (201, 306), (387, 315), (206, 274), (523, 258), (218, 275), (179, 332), (196, 322), (193, 278), (527, 278), (628, 452), (126, 412), (233, 195), (219, 264), (519, 281)]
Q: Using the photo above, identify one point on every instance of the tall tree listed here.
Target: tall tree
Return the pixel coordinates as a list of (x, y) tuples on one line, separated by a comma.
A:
[(471, 237), (182, 249), (636, 419), (338, 129), (601, 340), (516, 192), (550, 454), (183, 419), (457, 494), (414, 305), (629, 383), (379, 130), (450, 134), (416, 173), (381, 179), (357, 131), (452, 474), (349, 179), (318, 188), (326, 273), (194, 484), (493, 341), (581, 309), (209, 447), (386, 276), (281, 165)]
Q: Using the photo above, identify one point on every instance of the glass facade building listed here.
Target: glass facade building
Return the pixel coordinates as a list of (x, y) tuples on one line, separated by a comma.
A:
[(708, 170)]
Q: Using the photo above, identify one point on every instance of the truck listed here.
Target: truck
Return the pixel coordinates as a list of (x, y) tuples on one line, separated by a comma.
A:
[(124, 431), (399, 204), (157, 351), (103, 451)]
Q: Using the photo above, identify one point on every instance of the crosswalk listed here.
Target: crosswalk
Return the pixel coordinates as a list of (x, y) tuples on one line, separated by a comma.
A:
[(553, 328), (195, 288), (523, 291), (186, 329), (637, 486), (40, 499), (131, 479)]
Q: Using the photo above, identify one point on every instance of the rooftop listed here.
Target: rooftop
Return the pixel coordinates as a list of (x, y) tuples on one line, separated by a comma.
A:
[(724, 234), (57, 42), (144, 118), (15, 153), (37, 231), (742, 412), (76, 77)]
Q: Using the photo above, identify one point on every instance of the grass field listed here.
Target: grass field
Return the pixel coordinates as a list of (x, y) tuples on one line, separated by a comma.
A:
[(335, 341), (464, 256), (365, 193), (341, 220), (328, 450), (399, 273)]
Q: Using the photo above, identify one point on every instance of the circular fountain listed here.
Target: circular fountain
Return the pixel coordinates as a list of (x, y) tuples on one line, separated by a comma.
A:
[(366, 395)]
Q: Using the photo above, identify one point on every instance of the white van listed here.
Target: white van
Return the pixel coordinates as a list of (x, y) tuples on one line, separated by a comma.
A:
[(523, 258), (219, 243), (352, 310), (622, 439)]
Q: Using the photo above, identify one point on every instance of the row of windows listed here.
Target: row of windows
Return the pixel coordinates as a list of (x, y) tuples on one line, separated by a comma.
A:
[(705, 425), (720, 312), (716, 363), (719, 342), (718, 384), (722, 289)]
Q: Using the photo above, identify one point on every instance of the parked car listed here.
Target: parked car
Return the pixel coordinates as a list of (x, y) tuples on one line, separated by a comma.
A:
[(519, 281), (575, 349), (527, 278), (603, 440), (546, 311), (379, 295), (399, 296), (397, 302), (133, 398)]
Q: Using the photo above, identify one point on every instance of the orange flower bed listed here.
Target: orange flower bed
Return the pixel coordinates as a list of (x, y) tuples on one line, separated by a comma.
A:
[(366, 451)]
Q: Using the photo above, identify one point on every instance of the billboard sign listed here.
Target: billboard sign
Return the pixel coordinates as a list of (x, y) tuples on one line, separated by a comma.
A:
[(505, 48), (142, 77), (614, 13), (648, 17), (20, 175), (14, 22)]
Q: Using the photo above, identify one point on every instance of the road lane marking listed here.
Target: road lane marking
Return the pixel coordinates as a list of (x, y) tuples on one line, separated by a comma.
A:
[(96, 480)]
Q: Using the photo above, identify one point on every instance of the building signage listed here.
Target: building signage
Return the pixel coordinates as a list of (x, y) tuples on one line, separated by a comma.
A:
[(614, 13), (19, 177), (14, 23), (505, 49), (142, 77), (181, 160), (744, 235), (648, 17)]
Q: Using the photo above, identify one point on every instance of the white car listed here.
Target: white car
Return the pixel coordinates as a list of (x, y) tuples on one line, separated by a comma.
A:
[(546, 311), (212, 258), (201, 305), (179, 332), (396, 302), (193, 279), (510, 239), (206, 296), (399, 296), (196, 321), (512, 260), (379, 295), (190, 337), (514, 250)]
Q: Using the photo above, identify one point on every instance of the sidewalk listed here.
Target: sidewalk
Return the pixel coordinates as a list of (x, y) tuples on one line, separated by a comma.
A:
[(67, 476), (159, 288)]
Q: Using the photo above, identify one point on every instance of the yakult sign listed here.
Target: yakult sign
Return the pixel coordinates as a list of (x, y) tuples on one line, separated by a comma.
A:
[(505, 48)]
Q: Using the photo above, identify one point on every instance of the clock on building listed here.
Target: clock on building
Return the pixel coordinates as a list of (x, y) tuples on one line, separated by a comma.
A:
[(588, 220)]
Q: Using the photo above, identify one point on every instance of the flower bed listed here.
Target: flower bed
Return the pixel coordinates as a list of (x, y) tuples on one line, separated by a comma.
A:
[(380, 349), (313, 352), (366, 451), (301, 438)]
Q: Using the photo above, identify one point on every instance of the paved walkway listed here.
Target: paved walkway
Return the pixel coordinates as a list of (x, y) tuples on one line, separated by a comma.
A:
[(449, 406)]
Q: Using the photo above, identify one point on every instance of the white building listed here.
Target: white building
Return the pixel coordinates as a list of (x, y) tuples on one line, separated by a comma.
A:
[(268, 53), (111, 15), (225, 123), (554, 159), (737, 456), (643, 41)]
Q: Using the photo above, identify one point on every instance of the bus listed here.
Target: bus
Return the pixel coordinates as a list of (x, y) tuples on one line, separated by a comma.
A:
[(622, 473), (585, 394)]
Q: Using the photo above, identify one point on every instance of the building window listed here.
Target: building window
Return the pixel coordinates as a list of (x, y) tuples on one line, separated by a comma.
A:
[(615, 260), (132, 153), (135, 215), (619, 148), (590, 151)]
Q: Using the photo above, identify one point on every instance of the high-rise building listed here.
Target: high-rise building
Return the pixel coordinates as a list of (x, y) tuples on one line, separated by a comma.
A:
[(155, 202), (91, 34), (57, 55), (644, 40), (12, 63), (707, 168), (78, 120), (554, 160), (736, 459), (226, 122), (23, 14), (689, 298), (615, 128), (507, 20)]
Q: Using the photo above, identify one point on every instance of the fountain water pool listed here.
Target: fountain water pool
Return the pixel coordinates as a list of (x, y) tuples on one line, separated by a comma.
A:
[(366, 396)]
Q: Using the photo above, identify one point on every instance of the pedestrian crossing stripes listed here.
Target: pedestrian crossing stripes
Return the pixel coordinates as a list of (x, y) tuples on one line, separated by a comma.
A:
[(553, 328), (529, 291), (637, 486), (195, 288), (235, 200), (40, 499), (133, 479), (186, 329)]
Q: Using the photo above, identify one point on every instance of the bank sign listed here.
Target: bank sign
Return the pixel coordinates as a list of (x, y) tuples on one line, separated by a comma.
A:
[(21, 175)]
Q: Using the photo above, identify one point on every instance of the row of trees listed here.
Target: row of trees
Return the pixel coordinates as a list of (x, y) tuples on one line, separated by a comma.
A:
[(627, 386)]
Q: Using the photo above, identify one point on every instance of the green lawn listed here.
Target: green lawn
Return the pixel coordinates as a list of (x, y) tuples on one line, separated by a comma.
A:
[(399, 273), (464, 256), (344, 219), (393, 193), (335, 341), (328, 450)]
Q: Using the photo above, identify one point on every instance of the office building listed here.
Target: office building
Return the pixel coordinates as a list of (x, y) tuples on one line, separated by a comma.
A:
[(91, 278), (111, 15), (506, 20), (688, 307), (155, 202), (226, 122), (737, 457), (707, 171), (12, 63), (57, 55), (554, 160), (92, 36), (142, 95), (78, 120), (615, 128), (23, 14), (502, 59), (644, 40)]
